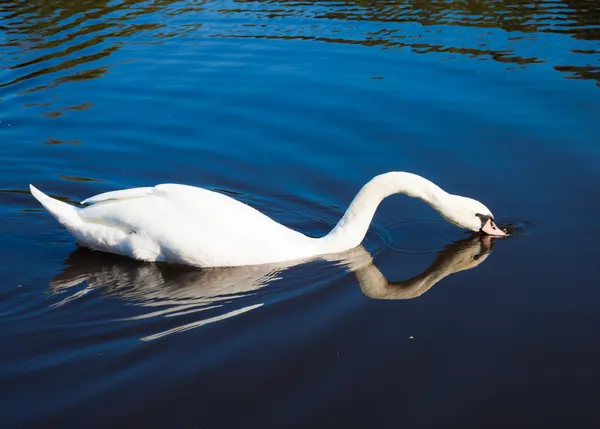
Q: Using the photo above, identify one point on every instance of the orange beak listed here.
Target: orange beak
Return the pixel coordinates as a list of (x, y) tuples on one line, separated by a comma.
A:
[(491, 228)]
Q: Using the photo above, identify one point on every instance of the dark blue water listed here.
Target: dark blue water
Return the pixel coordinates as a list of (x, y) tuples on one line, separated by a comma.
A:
[(291, 107)]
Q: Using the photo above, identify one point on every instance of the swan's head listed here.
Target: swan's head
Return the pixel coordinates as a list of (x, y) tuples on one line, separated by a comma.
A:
[(471, 214)]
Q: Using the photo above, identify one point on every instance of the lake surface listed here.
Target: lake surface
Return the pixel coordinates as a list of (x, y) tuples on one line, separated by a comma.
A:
[(291, 107)]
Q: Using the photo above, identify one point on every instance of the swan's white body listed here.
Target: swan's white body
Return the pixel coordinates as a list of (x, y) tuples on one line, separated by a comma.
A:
[(194, 226)]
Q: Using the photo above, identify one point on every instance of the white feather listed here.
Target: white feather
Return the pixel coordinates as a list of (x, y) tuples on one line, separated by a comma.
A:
[(194, 226)]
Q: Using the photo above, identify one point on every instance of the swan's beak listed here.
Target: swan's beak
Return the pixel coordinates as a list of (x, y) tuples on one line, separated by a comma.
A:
[(491, 228)]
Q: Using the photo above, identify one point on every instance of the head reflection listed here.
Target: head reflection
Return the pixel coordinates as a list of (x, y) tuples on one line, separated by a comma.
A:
[(172, 290)]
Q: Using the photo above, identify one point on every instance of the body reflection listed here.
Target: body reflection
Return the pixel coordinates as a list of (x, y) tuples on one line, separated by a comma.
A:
[(173, 290)]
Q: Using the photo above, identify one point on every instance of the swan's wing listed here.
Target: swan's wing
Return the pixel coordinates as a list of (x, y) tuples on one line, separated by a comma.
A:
[(166, 190), (156, 207), (124, 194), (196, 226)]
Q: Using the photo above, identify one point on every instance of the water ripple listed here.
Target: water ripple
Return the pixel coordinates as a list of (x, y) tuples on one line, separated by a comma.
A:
[(46, 46)]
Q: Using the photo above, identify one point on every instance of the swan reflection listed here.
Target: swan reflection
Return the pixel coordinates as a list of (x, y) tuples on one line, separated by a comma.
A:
[(173, 290)]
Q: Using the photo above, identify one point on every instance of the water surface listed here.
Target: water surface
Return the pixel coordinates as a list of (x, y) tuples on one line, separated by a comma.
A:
[(291, 107)]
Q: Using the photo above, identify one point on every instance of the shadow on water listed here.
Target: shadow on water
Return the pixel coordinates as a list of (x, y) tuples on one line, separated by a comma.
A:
[(171, 290)]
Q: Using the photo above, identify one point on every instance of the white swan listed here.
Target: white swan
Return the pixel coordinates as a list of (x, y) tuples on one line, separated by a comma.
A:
[(194, 226)]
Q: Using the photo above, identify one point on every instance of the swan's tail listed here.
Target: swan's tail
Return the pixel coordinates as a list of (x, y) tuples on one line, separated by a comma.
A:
[(66, 214)]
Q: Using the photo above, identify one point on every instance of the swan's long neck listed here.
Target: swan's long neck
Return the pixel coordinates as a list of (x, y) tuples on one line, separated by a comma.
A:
[(352, 228)]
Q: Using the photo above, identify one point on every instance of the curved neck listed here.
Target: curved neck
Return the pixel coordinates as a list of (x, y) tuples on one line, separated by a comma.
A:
[(352, 228)]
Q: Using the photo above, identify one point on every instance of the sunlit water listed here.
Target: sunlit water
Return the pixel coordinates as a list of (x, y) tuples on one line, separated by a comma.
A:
[(291, 107)]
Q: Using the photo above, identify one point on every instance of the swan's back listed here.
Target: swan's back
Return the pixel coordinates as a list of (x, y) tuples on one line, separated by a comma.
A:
[(185, 224)]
